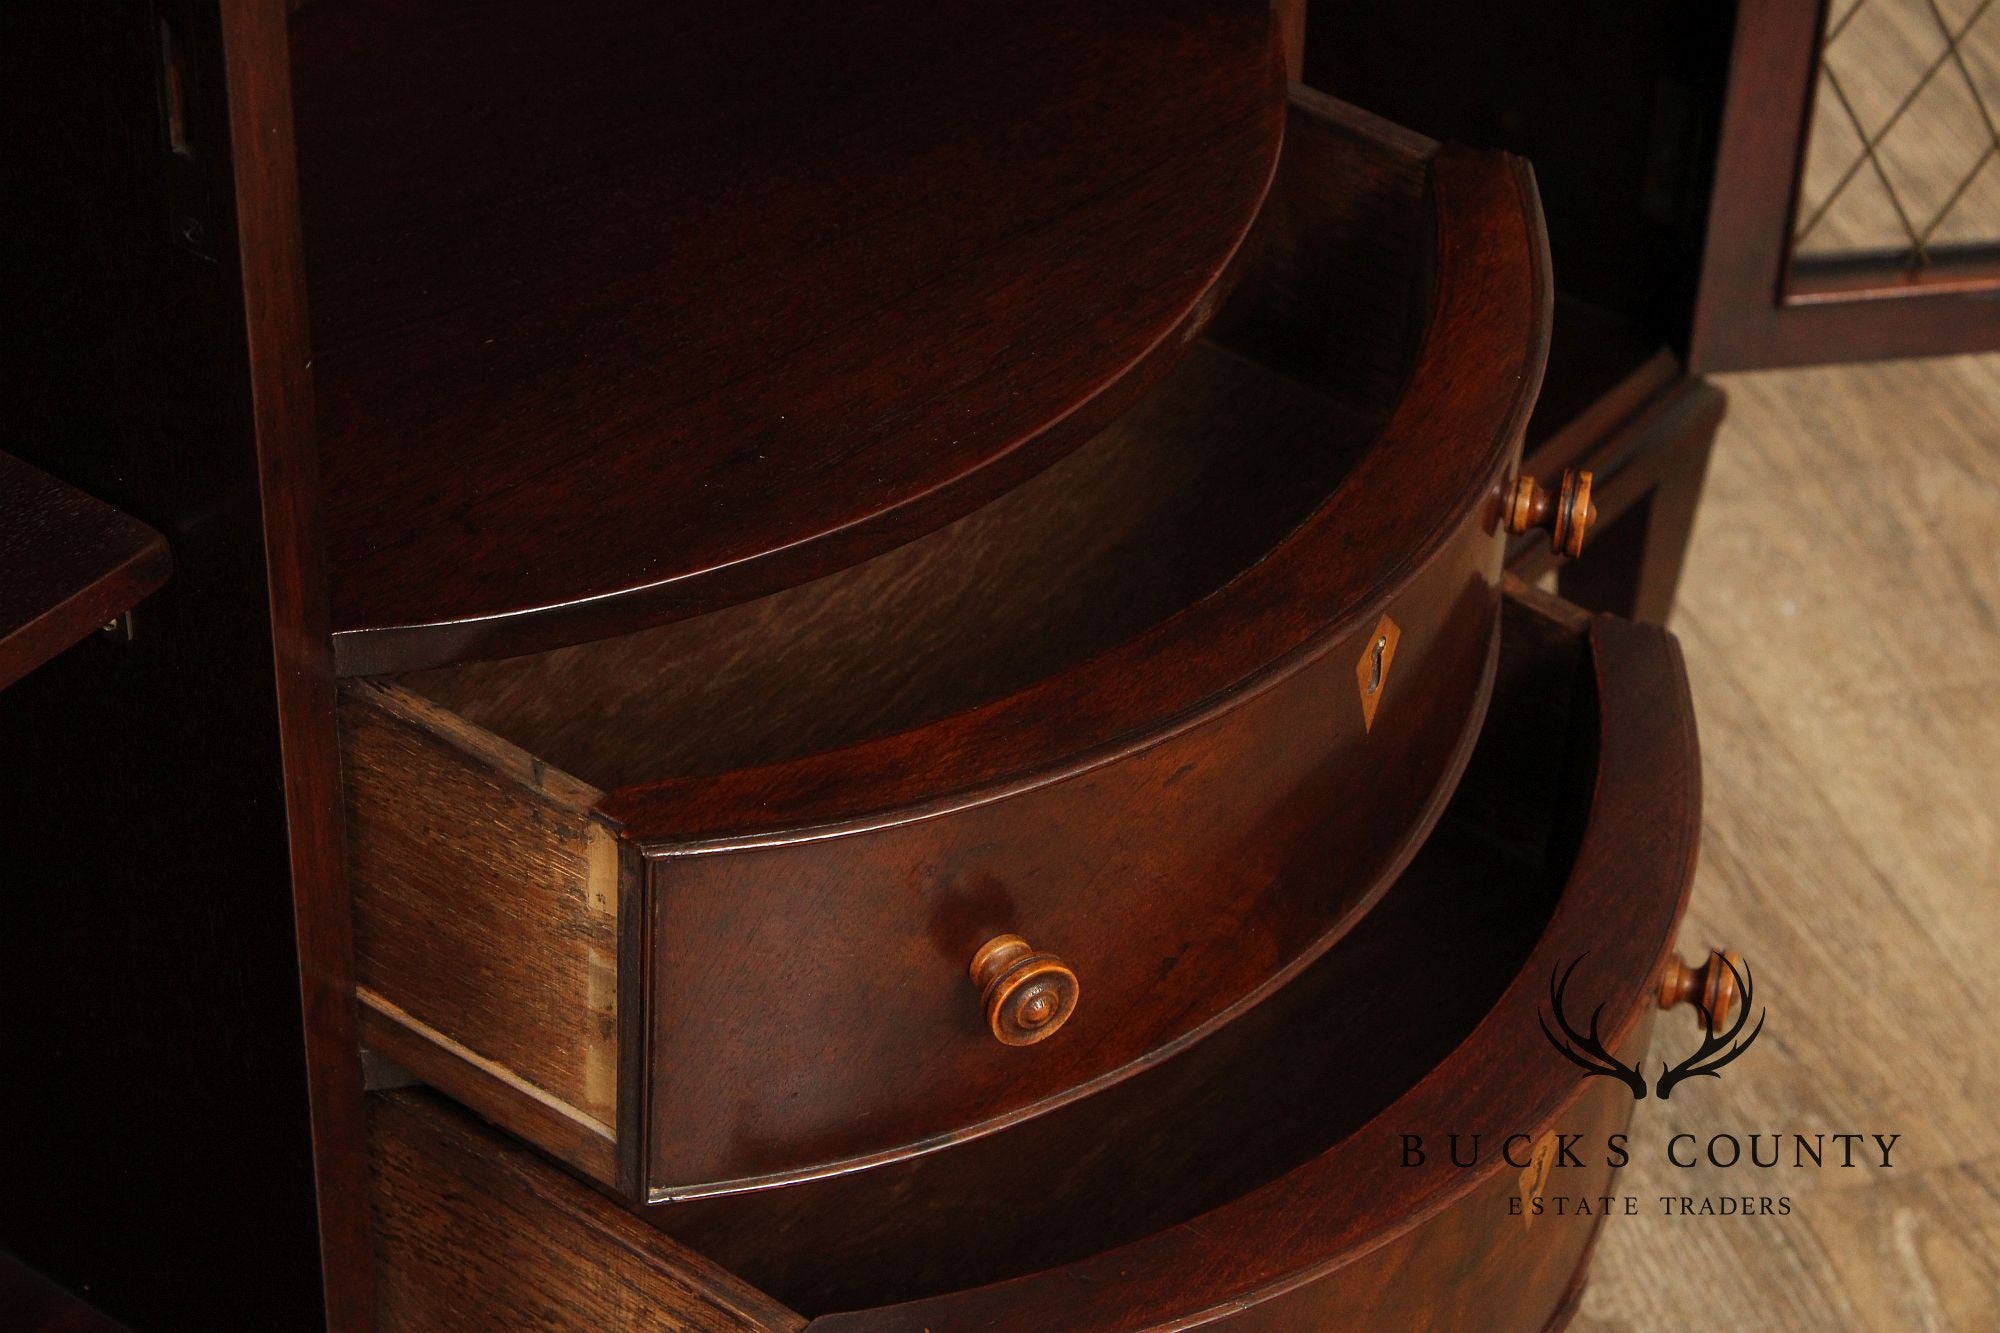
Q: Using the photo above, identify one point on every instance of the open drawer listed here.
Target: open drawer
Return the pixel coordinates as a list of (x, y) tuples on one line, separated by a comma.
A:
[(1260, 1176), (712, 907)]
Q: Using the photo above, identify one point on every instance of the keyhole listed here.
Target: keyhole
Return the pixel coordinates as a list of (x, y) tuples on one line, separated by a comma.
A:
[(1375, 667)]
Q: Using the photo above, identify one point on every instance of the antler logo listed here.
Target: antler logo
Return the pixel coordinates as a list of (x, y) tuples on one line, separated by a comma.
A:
[(1717, 1048), (1592, 1058), (1587, 1051)]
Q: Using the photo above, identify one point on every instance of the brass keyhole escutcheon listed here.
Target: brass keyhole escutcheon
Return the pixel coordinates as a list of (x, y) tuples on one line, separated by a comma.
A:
[(1026, 995), (1371, 673)]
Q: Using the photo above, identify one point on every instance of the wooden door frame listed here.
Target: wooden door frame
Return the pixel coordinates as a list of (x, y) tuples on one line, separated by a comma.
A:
[(1749, 311)]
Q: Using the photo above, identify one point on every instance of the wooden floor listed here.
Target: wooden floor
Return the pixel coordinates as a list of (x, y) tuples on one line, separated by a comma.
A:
[(1841, 618)]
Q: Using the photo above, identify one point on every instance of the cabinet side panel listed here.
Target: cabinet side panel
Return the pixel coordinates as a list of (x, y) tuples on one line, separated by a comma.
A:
[(486, 896)]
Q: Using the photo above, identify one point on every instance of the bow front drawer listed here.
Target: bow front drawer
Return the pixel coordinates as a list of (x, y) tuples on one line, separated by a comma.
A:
[(936, 844), (1295, 1169)]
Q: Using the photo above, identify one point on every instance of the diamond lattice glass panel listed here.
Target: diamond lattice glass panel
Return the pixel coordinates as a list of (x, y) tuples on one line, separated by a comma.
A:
[(1904, 153)]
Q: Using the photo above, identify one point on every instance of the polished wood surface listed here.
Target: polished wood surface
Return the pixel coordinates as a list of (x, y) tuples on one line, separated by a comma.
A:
[(1849, 845), (1174, 924), (1259, 709), (279, 392), (623, 314), (1477, 1266), (68, 564), (1433, 465), (1161, 510), (1233, 719), (182, 1111), (1633, 824), (473, 1234), (1245, 1179), (1300, 1070)]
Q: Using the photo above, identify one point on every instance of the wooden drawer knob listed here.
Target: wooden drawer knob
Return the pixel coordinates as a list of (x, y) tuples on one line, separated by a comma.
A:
[(1027, 995), (1567, 515), (1715, 985)]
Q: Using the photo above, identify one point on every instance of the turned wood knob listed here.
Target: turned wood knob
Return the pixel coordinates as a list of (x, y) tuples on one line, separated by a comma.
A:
[(1027, 995), (1567, 514), (1712, 985)]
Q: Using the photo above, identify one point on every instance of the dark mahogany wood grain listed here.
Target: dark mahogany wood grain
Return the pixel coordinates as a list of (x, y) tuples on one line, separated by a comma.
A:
[(474, 1234), (1166, 872), (624, 313), (1626, 778), (1456, 426), (1163, 508), (278, 401), (1256, 1178), (1308, 1065), (1476, 1266), (68, 564), (989, 819), (1134, 807)]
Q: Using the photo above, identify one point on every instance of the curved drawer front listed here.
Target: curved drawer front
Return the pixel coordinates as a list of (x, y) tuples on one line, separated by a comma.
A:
[(695, 968), (811, 1004), (1259, 1177)]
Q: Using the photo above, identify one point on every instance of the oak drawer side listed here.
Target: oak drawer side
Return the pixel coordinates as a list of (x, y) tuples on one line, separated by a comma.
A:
[(486, 895)]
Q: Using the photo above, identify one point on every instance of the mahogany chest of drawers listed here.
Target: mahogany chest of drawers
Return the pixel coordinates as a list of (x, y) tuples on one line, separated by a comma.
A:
[(905, 706), (691, 961), (1063, 891)]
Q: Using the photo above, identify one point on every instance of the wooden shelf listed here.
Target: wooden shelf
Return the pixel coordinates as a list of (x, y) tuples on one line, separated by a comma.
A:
[(627, 312), (68, 564)]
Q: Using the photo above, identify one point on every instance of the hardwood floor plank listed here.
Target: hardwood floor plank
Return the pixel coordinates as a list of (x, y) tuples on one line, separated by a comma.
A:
[(1841, 618)]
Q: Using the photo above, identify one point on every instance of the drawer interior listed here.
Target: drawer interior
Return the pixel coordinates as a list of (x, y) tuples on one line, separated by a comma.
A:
[(1304, 1069), (1253, 430), (1214, 467), (1178, 618)]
